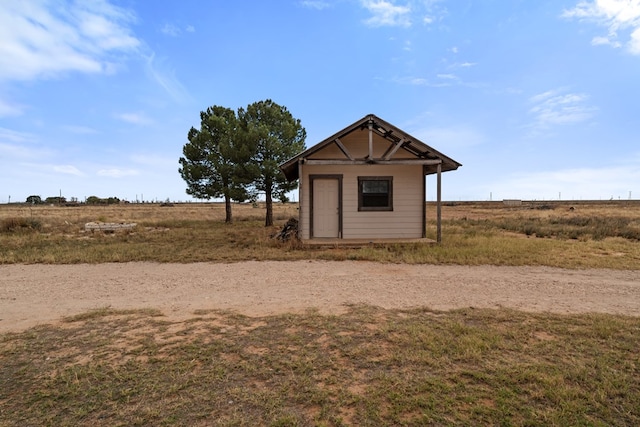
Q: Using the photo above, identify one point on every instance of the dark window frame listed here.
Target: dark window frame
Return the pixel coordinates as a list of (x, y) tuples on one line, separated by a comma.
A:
[(365, 205)]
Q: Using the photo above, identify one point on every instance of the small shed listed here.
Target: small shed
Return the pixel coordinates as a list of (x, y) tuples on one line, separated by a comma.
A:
[(366, 181)]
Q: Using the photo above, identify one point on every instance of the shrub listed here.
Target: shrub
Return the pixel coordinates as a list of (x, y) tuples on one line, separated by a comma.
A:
[(9, 225), (34, 200)]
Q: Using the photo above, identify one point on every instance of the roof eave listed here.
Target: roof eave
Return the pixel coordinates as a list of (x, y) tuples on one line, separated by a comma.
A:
[(290, 167)]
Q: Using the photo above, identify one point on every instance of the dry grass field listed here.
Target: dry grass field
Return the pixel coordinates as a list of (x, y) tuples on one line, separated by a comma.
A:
[(367, 366), (568, 234)]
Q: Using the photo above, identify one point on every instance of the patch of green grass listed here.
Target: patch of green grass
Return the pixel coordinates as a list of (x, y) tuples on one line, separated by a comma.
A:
[(366, 367)]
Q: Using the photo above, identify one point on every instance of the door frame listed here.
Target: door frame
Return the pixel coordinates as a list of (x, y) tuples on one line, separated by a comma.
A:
[(337, 177)]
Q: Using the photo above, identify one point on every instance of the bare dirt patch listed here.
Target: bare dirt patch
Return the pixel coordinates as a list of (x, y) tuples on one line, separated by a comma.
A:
[(40, 294)]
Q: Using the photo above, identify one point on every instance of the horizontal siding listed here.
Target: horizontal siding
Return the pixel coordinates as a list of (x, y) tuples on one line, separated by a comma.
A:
[(404, 221)]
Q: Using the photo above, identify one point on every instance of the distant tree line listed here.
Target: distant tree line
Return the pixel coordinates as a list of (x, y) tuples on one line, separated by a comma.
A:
[(93, 200), (235, 155), (56, 200), (37, 200)]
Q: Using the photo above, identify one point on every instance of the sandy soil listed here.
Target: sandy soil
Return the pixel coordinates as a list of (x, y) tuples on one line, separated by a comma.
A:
[(40, 294)]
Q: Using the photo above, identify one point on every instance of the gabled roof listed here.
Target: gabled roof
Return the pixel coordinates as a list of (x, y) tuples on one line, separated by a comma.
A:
[(413, 145)]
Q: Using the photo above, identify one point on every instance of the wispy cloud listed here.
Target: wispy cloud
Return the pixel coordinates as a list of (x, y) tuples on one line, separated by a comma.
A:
[(315, 4), (134, 118), (43, 39), (385, 13), (117, 173), (440, 80), (15, 136), (166, 79), (405, 13), (447, 76), (556, 107), (616, 15), (170, 30), (174, 31), (8, 109), (422, 81), (605, 41), (80, 130), (68, 170), (20, 145)]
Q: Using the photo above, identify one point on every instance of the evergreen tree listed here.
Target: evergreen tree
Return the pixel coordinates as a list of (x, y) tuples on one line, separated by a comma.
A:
[(274, 136), (214, 162)]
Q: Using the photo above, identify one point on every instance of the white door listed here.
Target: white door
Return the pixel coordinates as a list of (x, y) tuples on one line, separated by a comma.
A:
[(326, 211)]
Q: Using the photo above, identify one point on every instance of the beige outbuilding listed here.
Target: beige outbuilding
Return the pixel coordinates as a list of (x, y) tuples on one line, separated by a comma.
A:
[(366, 182)]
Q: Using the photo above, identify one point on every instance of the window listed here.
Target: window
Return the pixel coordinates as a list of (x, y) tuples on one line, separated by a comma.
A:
[(375, 193)]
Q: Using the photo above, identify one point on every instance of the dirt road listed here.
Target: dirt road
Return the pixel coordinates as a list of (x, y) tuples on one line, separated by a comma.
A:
[(39, 294)]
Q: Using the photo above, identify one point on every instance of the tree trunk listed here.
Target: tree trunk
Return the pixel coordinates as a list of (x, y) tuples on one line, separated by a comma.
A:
[(269, 218), (227, 209)]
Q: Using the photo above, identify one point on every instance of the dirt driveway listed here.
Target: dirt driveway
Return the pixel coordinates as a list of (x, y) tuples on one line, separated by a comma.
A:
[(39, 294)]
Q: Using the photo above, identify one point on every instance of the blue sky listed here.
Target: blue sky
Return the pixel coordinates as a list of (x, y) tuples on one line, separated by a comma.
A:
[(537, 99)]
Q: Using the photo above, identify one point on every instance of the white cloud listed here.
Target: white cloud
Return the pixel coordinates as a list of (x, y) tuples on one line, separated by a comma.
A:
[(166, 79), (173, 30), (634, 43), (617, 15), (20, 145), (447, 76), (417, 81), (440, 80), (555, 107), (117, 173), (8, 109), (410, 80), (14, 151), (15, 136), (600, 41), (315, 4), (68, 170), (42, 39), (170, 30), (80, 130), (387, 14), (402, 13), (134, 118)]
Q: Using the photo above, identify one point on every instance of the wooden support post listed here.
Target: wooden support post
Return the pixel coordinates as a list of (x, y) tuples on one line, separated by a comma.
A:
[(424, 203), (370, 140), (300, 198), (439, 206)]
